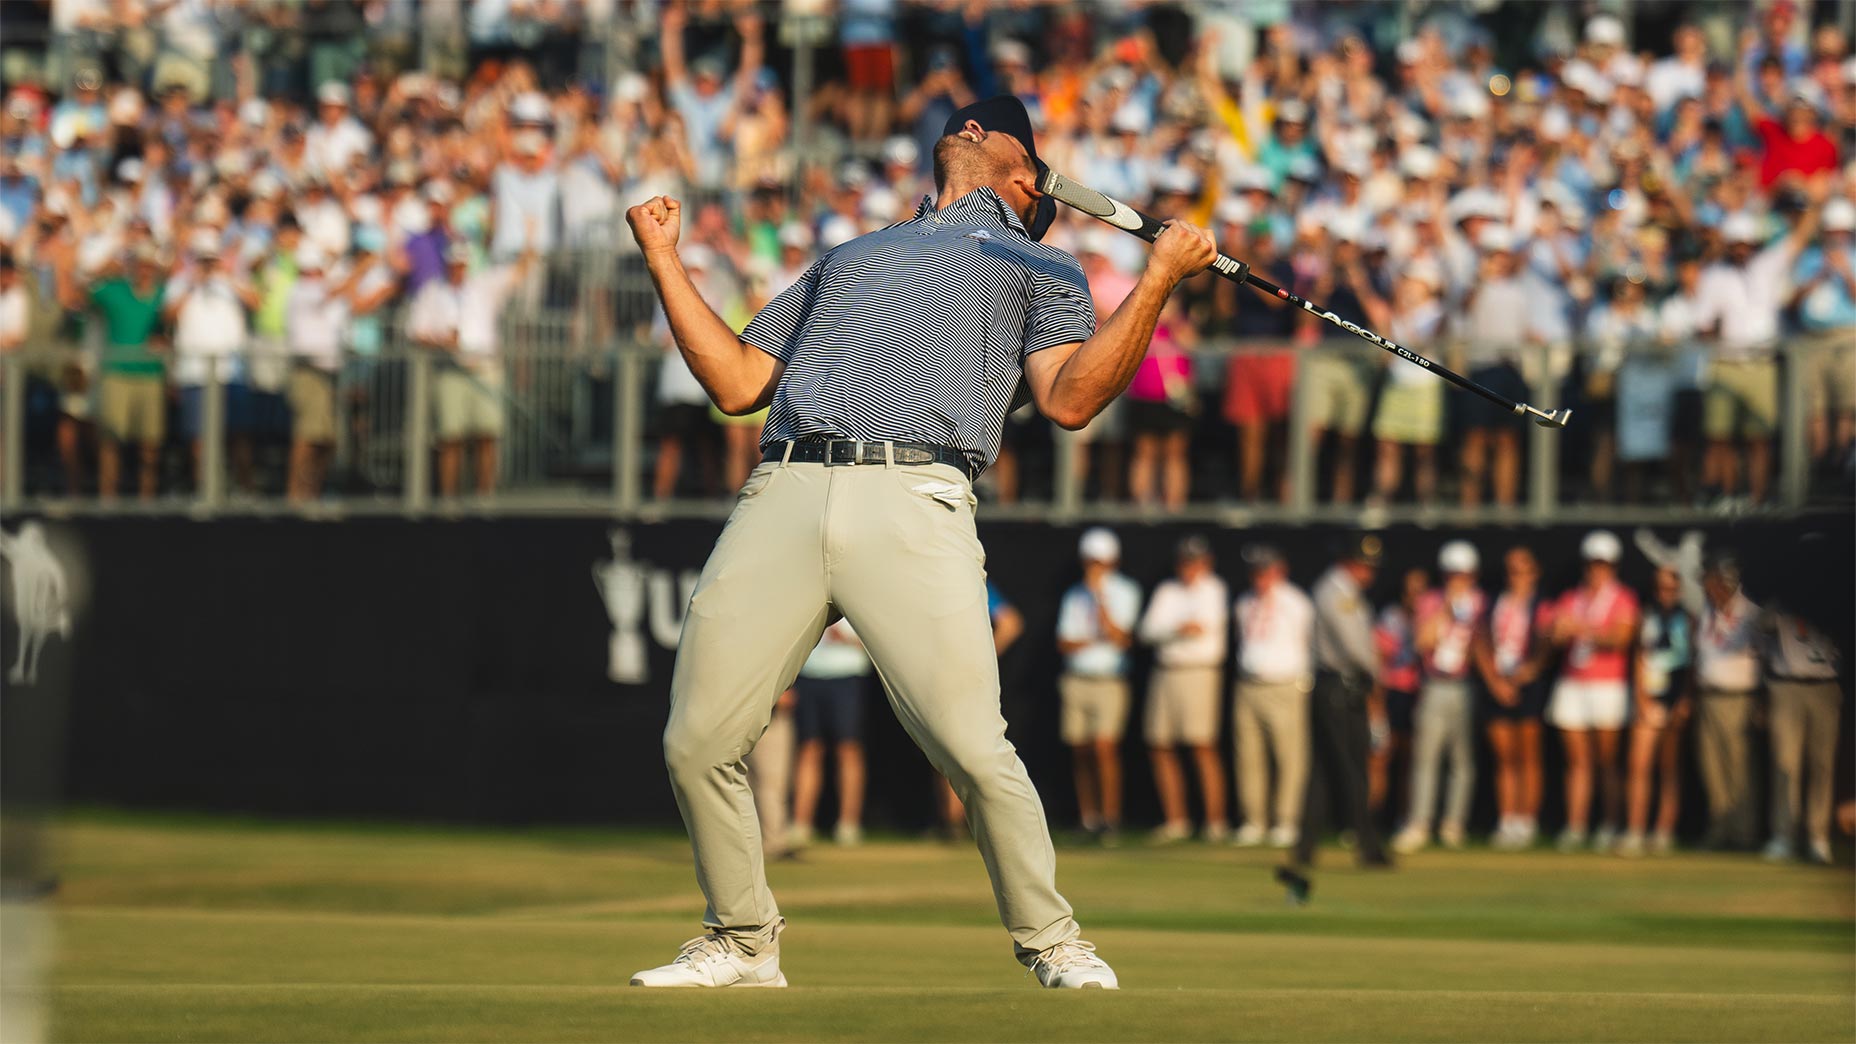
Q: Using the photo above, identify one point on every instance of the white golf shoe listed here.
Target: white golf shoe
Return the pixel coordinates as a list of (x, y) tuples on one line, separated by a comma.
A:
[(713, 960), (1074, 966)]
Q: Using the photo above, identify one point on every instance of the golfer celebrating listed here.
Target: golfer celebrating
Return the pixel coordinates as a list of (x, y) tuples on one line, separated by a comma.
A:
[(889, 367)]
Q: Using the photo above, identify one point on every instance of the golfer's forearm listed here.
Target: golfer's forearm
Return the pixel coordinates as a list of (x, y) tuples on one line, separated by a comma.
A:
[(733, 373), (1102, 366)]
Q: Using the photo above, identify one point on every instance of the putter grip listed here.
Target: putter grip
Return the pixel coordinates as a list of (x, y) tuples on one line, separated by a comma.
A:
[(1124, 217)]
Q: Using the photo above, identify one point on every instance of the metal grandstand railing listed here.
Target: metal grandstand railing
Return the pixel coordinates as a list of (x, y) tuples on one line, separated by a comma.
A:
[(578, 371)]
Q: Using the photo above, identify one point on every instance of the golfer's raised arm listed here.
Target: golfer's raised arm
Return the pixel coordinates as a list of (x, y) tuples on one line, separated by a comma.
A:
[(739, 377), (1071, 383)]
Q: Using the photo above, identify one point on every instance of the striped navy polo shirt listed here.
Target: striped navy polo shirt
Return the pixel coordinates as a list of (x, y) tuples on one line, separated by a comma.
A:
[(918, 332)]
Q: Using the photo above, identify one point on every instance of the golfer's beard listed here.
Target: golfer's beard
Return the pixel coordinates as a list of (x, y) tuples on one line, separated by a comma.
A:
[(965, 161)]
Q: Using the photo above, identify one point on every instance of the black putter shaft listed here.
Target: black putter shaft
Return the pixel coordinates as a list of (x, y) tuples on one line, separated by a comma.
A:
[(1128, 219)]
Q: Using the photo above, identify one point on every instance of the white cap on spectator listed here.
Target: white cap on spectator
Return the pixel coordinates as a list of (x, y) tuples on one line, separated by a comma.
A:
[(901, 151), (1419, 161), (1097, 241), (1304, 168), (1553, 125), (795, 235), (1601, 545), (309, 257), (697, 257), (1177, 179), (1292, 110), (1740, 227), (1470, 105), (1409, 51), (1425, 271), (1496, 239), (1355, 165), (1605, 31), (529, 108), (1578, 74), (631, 87), (438, 191), (1458, 556), (203, 243), (332, 93), (853, 175), (1233, 210), (130, 170), (1410, 125), (837, 230), (254, 112), (1839, 216), (1100, 545), (1129, 119), (881, 204), (1598, 90), (1347, 227), (1252, 179), (126, 106)]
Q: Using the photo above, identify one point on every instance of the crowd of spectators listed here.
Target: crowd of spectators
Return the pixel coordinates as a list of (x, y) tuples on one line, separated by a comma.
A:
[(1625, 217), (1629, 683)]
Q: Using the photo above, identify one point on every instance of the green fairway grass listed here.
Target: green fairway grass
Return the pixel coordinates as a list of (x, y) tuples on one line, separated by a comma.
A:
[(172, 929)]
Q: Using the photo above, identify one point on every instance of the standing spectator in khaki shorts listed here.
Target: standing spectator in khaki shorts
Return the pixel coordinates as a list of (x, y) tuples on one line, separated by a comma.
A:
[(1334, 376), (1739, 303), (1275, 632), (1185, 623), (133, 392), (1095, 626), (319, 308), (458, 315), (1824, 292)]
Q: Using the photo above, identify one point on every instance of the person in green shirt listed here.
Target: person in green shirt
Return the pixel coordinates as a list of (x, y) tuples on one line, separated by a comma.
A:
[(133, 390)]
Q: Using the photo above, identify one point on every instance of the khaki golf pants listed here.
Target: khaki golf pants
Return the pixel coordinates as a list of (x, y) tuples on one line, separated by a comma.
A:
[(1804, 755), (893, 549), (1722, 722), (1270, 722)]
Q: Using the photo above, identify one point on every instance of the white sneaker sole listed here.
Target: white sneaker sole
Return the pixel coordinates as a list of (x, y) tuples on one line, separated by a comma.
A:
[(742, 984)]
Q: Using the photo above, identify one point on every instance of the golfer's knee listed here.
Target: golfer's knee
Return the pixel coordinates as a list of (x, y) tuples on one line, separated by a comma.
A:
[(690, 751)]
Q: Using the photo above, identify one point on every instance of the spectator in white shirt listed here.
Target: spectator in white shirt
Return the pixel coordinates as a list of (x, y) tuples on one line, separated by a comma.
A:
[(208, 306), (318, 311), (1095, 626), (337, 137), (1801, 681), (1185, 623), (1739, 304), (1727, 676), (1275, 631), (1683, 74), (525, 188), (831, 705), (458, 316)]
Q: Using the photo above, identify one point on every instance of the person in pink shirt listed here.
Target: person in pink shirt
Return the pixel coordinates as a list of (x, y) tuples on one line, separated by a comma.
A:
[(1593, 626), (1161, 405), (1447, 620)]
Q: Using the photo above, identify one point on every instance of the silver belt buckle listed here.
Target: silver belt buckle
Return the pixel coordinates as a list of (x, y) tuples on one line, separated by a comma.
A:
[(831, 452)]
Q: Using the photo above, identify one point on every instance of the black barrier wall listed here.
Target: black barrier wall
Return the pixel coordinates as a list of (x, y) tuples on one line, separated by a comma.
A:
[(516, 670)]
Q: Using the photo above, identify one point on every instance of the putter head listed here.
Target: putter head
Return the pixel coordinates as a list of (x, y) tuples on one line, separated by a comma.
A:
[(1295, 883), (1547, 418)]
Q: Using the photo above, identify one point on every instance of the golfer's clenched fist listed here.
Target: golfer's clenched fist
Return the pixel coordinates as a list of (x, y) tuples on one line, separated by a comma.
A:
[(1182, 250), (656, 223)]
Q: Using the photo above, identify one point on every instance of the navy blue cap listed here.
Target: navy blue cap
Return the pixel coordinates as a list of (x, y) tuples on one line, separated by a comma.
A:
[(1006, 114)]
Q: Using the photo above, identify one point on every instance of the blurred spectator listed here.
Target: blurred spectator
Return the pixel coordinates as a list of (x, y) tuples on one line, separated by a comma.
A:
[(207, 303), (1740, 298), (133, 391), (1824, 293), (1335, 382), (867, 33), (1161, 406), (1665, 695), (1624, 331), (458, 316), (1411, 401), (1400, 672), (1185, 623), (1343, 709), (1109, 286), (1511, 655), (1446, 623), (1262, 371), (1801, 680), (1594, 625), (831, 706), (526, 186), (1095, 626), (697, 91), (1275, 631), (1494, 301), (1728, 680)]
